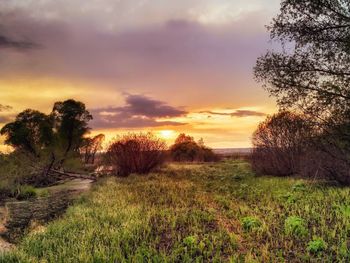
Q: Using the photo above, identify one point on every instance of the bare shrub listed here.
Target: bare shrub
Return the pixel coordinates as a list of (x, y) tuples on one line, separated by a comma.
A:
[(279, 143), (136, 153)]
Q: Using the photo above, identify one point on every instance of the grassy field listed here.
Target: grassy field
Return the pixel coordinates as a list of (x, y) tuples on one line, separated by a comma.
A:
[(198, 213)]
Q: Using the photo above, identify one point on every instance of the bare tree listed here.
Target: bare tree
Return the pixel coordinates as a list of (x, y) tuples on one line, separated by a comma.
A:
[(90, 147), (280, 142)]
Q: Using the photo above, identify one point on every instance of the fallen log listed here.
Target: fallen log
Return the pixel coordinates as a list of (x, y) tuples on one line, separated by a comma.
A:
[(74, 175)]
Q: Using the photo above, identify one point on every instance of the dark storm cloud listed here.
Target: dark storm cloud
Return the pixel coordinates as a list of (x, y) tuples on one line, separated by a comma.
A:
[(139, 111), (237, 113)]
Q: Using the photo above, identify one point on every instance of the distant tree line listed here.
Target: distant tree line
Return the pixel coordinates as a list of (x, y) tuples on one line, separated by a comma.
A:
[(47, 145), (310, 78)]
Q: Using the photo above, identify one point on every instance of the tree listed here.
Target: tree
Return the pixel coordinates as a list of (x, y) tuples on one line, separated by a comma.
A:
[(312, 74), (90, 147), (186, 149), (313, 71), (280, 143), (49, 139), (31, 131), (183, 138), (71, 123)]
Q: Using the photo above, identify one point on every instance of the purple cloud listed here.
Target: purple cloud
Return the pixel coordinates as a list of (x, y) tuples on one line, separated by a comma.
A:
[(139, 112), (237, 113)]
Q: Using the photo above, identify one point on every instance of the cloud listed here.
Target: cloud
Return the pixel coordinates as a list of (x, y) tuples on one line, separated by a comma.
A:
[(6, 42), (247, 113), (148, 107), (237, 113), (6, 114), (140, 111), (5, 108), (6, 118), (199, 60)]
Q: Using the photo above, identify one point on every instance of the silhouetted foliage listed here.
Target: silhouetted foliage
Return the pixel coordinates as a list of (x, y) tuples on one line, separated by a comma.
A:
[(279, 144), (71, 123), (332, 150), (186, 149), (312, 75), (31, 131), (136, 153), (43, 141), (90, 147)]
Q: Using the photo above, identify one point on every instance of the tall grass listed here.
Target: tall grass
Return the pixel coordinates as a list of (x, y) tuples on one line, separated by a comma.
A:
[(198, 213)]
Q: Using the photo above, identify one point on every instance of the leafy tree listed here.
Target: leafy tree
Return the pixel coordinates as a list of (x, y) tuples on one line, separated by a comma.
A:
[(183, 138), (313, 70), (71, 123), (49, 139), (186, 149), (31, 131)]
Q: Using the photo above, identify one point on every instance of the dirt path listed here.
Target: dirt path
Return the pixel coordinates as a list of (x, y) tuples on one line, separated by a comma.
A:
[(20, 213), (4, 245)]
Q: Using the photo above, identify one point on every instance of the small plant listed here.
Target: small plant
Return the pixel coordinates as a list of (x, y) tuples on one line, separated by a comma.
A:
[(299, 187), (317, 245), (24, 192), (295, 226), (250, 223), (190, 241)]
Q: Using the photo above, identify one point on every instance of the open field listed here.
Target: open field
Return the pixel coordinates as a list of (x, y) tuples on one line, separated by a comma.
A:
[(198, 213)]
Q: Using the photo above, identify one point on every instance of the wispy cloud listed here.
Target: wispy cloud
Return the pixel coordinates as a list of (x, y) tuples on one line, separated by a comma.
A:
[(6, 42), (6, 114), (237, 113), (5, 108)]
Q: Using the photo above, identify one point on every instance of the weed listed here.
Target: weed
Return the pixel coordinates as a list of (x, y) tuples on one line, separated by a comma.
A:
[(250, 223), (295, 226), (317, 245), (24, 192)]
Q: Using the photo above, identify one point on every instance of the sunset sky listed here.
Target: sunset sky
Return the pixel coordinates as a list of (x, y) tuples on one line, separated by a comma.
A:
[(140, 65)]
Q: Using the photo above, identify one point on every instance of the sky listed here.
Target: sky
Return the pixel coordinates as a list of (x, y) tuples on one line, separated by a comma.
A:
[(140, 65)]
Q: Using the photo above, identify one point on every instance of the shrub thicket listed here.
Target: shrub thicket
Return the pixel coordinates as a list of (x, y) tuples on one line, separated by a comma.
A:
[(136, 153), (288, 144), (279, 144)]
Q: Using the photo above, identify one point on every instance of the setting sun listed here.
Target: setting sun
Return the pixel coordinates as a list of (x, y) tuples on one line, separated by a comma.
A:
[(167, 134)]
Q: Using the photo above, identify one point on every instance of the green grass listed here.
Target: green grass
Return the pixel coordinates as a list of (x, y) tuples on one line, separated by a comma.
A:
[(198, 213)]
